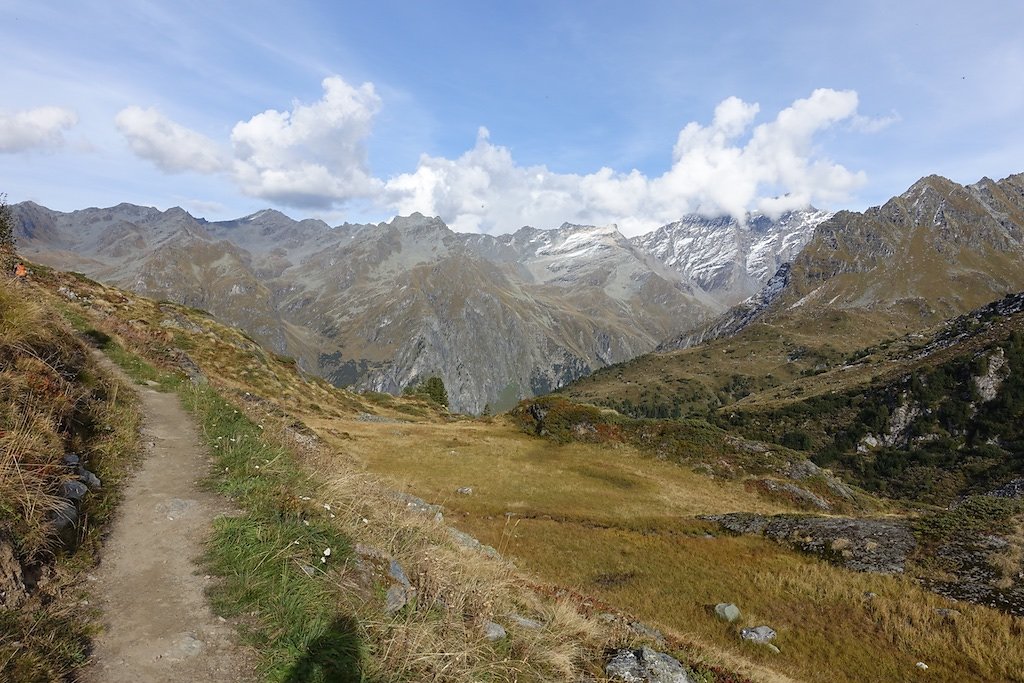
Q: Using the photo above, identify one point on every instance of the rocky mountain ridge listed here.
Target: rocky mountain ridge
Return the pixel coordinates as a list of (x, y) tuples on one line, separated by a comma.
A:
[(383, 306), (729, 259), (934, 252)]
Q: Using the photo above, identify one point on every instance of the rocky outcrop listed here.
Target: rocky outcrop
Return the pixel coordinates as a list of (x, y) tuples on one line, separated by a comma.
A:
[(645, 665), (866, 545), (995, 374)]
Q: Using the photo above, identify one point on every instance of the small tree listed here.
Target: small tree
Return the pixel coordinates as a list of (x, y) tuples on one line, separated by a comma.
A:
[(434, 389), (431, 389)]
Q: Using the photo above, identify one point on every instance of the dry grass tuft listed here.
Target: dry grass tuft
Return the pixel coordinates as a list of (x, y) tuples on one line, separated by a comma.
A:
[(53, 401)]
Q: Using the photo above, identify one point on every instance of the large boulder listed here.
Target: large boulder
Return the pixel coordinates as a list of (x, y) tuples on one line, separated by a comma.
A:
[(726, 611), (645, 666)]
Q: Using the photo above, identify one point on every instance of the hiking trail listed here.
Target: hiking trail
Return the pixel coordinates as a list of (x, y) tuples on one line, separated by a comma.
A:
[(157, 624)]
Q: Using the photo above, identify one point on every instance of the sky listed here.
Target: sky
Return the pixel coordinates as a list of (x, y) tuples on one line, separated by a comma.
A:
[(498, 115)]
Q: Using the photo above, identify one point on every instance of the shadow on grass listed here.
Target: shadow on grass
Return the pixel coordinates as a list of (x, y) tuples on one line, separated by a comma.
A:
[(334, 657)]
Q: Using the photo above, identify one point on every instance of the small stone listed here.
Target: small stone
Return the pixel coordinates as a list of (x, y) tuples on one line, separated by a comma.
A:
[(758, 634), (646, 631), (396, 572), (464, 490), (726, 611), (73, 490), (395, 599), (922, 666), (307, 569), (89, 479), (493, 631), (70, 460), (185, 647), (64, 517)]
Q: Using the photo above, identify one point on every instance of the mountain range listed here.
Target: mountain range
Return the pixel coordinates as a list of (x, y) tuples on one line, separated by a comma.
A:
[(383, 306), (501, 317)]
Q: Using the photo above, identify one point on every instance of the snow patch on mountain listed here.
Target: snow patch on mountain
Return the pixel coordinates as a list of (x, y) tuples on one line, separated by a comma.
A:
[(728, 259)]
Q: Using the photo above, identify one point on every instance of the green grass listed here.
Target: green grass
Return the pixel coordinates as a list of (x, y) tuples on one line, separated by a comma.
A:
[(265, 556)]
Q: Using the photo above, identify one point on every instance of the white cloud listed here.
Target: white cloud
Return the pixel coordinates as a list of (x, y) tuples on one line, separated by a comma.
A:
[(873, 124), (313, 156), (724, 167), (171, 146), (35, 128)]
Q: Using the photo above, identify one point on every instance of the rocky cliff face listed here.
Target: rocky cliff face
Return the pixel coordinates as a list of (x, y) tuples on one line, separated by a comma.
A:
[(938, 250), (729, 260)]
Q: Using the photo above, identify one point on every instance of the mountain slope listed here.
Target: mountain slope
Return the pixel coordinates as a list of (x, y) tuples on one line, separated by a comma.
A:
[(936, 251), (384, 306), (727, 259)]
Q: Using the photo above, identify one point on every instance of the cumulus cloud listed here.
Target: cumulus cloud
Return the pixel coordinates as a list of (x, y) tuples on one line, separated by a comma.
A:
[(312, 156), (171, 146), (34, 128), (729, 166)]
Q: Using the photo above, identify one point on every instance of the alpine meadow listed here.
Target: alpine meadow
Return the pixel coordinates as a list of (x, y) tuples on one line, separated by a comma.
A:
[(703, 362)]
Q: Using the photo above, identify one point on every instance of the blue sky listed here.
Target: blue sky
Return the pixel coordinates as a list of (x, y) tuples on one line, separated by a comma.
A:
[(496, 115)]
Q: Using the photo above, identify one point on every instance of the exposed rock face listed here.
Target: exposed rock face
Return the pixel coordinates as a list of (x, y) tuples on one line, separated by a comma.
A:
[(938, 250), (866, 545), (970, 565), (729, 260), (988, 384), (645, 666)]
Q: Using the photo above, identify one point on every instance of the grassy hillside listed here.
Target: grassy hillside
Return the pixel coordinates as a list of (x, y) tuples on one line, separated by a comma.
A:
[(305, 609), (58, 413), (597, 515)]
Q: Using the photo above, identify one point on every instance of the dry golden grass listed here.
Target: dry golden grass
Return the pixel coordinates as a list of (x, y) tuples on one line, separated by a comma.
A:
[(1009, 563), (607, 522), (53, 400), (511, 472), (612, 524), (458, 590)]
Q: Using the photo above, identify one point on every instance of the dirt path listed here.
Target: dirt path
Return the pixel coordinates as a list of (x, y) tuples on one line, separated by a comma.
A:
[(157, 624)]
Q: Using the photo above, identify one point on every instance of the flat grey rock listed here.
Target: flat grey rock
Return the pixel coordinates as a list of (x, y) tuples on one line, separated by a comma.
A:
[(758, 634), (494, 631)]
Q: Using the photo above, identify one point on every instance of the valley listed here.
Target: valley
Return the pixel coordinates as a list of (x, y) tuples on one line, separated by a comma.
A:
[(837, 457)]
